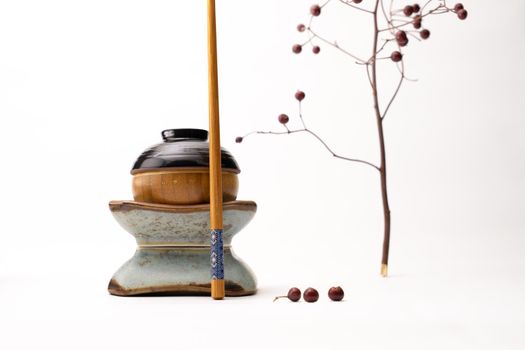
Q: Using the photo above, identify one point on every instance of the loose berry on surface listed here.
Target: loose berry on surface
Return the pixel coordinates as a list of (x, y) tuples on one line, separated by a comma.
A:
[(336, 293), (294, 294), (311, 295)]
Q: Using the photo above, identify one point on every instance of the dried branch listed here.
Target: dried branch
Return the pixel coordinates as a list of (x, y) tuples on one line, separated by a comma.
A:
[(317, 137), (387, 41), (395, 20), (347, 3), (335, 45), (396, 92)]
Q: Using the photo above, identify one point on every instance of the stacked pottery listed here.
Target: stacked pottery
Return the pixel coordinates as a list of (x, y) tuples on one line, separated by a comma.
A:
[(169, 219)]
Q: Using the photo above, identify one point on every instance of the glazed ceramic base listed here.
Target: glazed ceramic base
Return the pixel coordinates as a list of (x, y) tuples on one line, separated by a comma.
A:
[(179, 271), (173, 256)]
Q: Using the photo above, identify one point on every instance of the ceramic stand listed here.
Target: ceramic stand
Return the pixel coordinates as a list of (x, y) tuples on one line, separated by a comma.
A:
[(173, 254)]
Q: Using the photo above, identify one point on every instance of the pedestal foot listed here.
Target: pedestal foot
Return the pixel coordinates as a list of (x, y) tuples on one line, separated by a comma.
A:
[(179, 271)]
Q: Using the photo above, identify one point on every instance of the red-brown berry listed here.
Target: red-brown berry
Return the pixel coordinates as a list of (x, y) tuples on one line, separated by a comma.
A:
[(401, 38), (424, 34), (294, 294), (336, 293), (311, 295), (396, 56), (316, 49), (357, 1), (300, 95), (408, 10), (458, 6), (315, 10), (238, 139), (416, 7), (297, 48), (401, 35), (301, 27), (417, 22), (462, 14), (283, 119)]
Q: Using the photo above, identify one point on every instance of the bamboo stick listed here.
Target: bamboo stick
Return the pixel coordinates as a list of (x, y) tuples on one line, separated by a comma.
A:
[(216, 225)]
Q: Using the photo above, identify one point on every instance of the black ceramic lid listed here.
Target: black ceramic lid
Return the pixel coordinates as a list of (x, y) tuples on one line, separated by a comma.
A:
[(182, 148)]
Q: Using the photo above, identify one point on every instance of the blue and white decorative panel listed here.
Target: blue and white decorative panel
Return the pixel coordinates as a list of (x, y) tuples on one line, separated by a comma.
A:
[(217, 255)]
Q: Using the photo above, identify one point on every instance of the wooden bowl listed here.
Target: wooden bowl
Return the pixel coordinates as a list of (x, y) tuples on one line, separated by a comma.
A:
[(181, 186), (176, 171)]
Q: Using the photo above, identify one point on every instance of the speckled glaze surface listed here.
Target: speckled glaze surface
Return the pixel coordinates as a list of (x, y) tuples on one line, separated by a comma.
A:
[(173, 254), (157, 224)]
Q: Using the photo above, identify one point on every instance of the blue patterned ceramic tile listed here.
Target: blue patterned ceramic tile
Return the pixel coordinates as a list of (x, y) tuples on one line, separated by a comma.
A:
[(217, 255)]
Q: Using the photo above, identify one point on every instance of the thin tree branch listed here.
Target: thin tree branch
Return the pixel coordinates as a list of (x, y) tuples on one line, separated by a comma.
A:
[(369, 76), (305, 130), (356, 7), (326, 3), (401, 79), (382, 148), (410, 32), (425, 6), (338, 156), (384, 44), (301, 115), (387, 19), (335, 45)]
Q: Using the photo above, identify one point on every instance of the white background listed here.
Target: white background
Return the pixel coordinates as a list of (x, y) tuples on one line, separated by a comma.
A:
[(85, 86)]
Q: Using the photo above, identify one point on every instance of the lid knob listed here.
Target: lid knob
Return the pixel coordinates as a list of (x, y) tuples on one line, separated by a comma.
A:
[(172, 135)]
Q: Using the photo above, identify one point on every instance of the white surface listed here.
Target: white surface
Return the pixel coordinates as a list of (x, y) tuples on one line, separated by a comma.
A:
[(91, 84)]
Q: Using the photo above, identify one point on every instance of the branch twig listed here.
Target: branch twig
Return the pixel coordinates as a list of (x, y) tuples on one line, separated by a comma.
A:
[(316, 136), (334, 44), (355, 7)]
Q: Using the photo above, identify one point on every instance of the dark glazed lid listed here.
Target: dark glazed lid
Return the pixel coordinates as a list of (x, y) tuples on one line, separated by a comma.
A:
[(182, 148)]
